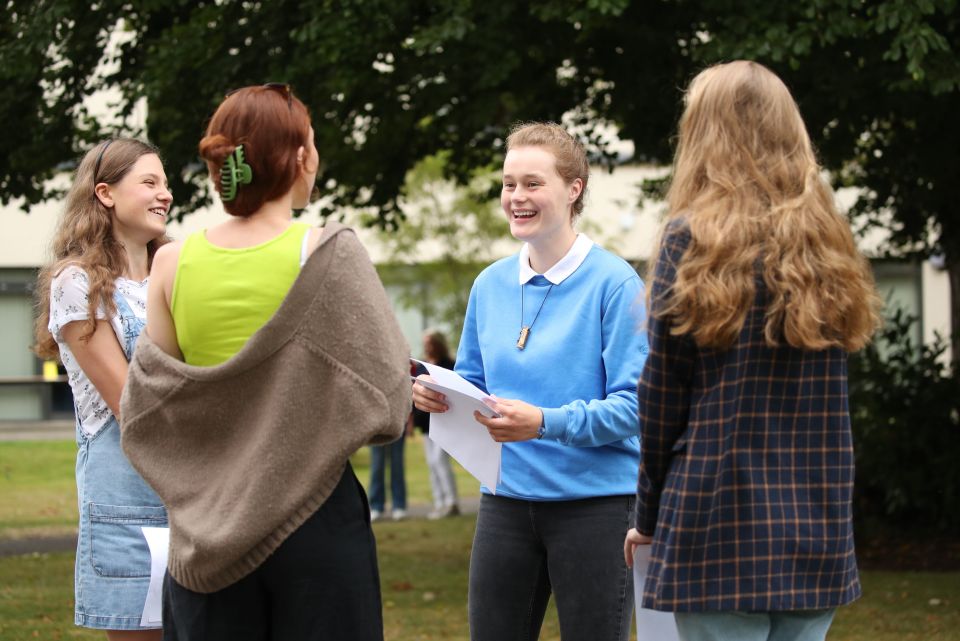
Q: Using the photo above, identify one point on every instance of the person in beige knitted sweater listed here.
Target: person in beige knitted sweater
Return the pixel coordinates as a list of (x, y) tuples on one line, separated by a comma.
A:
[(271, 355)]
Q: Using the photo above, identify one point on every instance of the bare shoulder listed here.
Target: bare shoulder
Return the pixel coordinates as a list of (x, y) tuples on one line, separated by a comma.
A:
[(352, 242), (313, 239), (165, 260), (316, 233), (169, 250)]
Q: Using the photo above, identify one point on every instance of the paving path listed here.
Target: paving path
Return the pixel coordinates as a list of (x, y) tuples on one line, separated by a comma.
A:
[(38, 545), (36, 430), (68, 542)]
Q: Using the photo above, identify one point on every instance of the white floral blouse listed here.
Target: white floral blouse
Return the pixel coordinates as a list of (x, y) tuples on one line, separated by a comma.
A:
[(68, 303)]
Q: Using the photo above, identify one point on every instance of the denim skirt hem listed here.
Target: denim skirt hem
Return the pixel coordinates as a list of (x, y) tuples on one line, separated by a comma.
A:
[(110, 623)]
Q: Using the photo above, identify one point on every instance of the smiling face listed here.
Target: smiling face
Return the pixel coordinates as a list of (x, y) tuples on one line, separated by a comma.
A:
[(140, 201), (536, 200)]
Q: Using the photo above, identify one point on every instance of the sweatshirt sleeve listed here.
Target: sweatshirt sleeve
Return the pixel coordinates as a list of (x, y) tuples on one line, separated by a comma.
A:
[(612, 418), (469, 358), (663, 391)]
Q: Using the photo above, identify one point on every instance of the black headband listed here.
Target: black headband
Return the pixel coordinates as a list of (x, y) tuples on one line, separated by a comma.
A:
[(96, 167)]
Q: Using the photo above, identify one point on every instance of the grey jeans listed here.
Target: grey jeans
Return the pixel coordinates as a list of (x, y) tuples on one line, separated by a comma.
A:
[(525, 550)]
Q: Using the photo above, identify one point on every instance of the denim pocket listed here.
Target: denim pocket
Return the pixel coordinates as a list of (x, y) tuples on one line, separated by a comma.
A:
[(117, 545)]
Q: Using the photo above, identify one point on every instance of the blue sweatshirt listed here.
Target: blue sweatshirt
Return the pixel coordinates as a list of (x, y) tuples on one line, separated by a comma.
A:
[(580, 366)]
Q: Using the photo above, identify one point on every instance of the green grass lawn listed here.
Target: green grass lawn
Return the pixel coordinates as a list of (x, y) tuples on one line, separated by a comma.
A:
[(37, 489), (423, 565), (38, 492), (423, 569), (902, 606)]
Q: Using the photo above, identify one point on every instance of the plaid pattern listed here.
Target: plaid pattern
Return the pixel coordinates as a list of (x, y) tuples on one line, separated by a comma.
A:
[(746, 472)]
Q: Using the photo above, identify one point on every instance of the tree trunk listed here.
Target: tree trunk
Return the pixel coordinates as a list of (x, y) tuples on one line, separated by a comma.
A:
[(953, 271)]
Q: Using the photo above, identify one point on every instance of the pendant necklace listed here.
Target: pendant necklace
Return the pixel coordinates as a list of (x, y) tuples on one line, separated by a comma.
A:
[(525, 329)]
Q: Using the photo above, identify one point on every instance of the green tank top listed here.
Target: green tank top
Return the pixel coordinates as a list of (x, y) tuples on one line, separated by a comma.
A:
[(221, 296)]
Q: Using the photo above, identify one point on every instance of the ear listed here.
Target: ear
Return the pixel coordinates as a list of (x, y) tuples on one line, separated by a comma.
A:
[(301, 152), (576, 188), (103, 194)]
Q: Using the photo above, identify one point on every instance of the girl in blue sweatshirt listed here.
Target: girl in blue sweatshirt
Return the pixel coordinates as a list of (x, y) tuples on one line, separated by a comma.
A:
[(552, 334)]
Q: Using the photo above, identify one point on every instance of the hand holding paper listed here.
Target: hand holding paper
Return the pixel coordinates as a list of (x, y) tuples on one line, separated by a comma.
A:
[(514, 421), (630, 543), (426, 398), (457, 432), (452, 395)]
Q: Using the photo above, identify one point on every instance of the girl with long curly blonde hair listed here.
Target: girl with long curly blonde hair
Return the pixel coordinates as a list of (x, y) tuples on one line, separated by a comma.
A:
[(91, 309), (756, 296), (747, 183)]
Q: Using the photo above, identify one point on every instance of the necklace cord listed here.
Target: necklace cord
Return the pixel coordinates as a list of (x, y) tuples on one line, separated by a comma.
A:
[(525, 329)]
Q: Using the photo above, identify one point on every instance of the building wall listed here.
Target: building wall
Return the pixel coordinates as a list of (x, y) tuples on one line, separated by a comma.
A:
[(18, 399)]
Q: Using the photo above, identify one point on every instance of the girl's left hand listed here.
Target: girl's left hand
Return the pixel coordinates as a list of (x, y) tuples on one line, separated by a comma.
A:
[(630, 543), (519, 421)]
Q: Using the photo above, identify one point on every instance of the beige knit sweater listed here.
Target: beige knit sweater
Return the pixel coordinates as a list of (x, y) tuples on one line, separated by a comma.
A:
[(244, 452)]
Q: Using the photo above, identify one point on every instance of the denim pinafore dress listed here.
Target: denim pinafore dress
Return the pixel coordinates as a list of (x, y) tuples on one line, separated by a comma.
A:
[(113, 562)]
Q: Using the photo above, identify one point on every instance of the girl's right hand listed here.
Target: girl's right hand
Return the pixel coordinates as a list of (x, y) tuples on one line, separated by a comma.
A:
[(426, 399)]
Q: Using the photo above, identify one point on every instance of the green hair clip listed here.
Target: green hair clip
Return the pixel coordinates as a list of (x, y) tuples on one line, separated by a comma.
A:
[(235, 172)]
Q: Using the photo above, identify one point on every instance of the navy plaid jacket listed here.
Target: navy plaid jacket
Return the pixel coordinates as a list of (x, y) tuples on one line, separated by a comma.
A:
[(746, 473)]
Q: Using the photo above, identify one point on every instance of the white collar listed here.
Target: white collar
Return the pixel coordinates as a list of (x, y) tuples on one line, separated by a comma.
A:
[(563, 267)]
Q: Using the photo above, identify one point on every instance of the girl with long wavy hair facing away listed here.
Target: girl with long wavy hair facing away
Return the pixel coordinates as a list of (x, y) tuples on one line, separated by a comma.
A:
[(91, 309), (757, 295)]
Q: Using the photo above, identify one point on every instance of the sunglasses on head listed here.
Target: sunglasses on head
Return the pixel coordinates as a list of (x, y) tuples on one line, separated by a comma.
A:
[(282, 88)]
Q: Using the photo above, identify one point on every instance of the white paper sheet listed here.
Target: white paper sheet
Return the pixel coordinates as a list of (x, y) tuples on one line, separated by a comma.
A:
[(158, 540), (652, 625), (457, 432)]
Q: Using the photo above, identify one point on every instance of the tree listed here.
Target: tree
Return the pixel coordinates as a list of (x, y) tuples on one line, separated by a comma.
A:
[(904, 389), (391, 83), (449, 235), (879, 87)]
